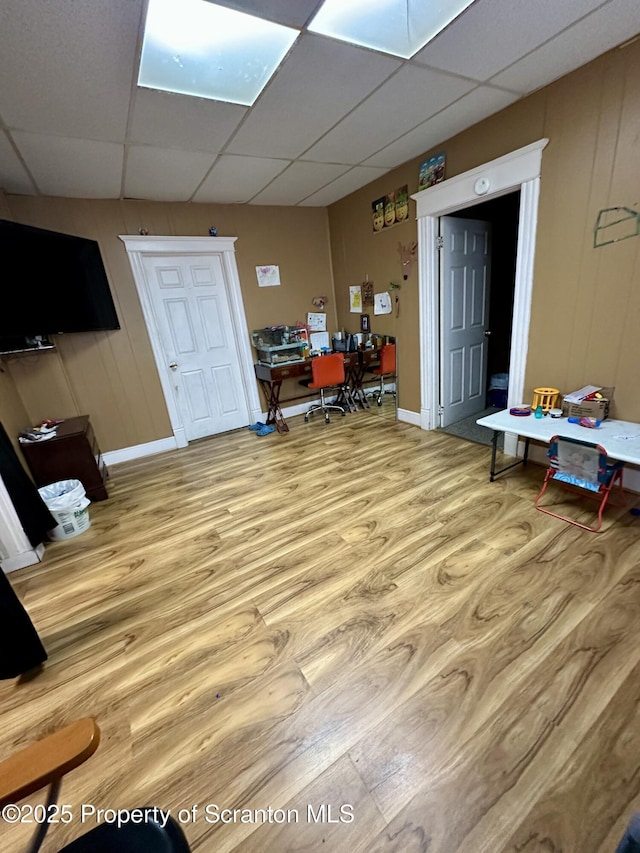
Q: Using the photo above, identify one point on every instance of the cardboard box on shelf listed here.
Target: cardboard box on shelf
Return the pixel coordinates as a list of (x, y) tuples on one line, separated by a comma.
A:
[(599, 408)]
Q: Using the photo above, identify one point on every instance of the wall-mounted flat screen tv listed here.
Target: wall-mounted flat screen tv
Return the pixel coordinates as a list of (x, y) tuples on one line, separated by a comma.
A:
[(54, 283)]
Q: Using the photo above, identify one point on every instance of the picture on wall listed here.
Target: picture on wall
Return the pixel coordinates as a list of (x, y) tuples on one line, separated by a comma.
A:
[(377, 212), (268, 275), (402, 203), (431, 171), (391, 209)]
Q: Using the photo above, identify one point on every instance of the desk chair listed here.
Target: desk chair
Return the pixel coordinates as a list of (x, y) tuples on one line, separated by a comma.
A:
[(583, 465), (45, 762), (328, 375), (386, 370)]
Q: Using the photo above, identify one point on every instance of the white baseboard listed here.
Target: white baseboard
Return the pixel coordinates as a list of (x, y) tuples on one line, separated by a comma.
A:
[(536, 453), (409, 417), (21, 561), (137, 451)]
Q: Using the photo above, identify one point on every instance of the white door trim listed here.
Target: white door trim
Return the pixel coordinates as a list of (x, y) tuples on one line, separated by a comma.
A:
[(16, 551), (519, 170), (139, 246)]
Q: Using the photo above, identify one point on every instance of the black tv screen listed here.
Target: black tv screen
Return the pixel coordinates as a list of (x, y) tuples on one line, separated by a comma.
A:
[(53, 283)]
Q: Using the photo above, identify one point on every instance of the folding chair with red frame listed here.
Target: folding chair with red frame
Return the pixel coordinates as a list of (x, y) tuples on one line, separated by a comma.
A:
[(583, 465)]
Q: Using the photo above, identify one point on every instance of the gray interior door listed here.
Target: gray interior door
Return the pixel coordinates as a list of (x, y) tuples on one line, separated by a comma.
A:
[(465, 277)]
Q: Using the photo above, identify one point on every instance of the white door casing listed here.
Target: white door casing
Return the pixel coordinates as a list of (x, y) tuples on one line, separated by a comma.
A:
[(465, 278), (191, 299), (517, 170)]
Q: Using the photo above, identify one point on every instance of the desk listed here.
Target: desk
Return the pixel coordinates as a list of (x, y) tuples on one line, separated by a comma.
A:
[(621, 439), (271, 378), (356, 365)]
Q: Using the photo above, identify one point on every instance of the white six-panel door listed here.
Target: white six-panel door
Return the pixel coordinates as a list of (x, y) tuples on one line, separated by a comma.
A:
[(190, 303), (465, 275)]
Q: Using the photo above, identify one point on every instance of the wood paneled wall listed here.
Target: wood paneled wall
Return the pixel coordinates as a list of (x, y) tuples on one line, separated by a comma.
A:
[(112, 376), (586, 302)]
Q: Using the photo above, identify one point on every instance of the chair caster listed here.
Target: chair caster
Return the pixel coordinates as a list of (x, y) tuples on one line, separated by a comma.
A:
[(379, 401), (343, 413), (306, 419), (327, 421)]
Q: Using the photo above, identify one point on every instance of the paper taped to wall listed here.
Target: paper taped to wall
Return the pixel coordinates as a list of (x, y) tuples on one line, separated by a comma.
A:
[(382, 303)]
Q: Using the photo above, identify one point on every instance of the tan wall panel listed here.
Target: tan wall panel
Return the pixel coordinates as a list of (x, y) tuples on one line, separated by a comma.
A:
[(13, 414), (112, 376), (358, 250), (43, 385), (586, 302)]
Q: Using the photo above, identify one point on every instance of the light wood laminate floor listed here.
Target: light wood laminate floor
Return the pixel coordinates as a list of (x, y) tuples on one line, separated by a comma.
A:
[(348, 615)]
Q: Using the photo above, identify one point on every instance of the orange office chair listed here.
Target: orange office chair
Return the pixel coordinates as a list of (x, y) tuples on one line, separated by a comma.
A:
[(583, 465), (386, 370), (45, 762), (328, 375)]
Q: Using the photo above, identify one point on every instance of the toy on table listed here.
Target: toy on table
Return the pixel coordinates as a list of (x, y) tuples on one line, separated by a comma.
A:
[(590, 423), (546, 398)]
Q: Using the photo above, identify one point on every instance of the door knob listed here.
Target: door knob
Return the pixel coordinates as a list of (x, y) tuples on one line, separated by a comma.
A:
[(487, 333), (174, 364)]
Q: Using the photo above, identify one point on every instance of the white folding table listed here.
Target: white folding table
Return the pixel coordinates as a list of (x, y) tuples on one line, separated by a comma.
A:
[(621, 439)]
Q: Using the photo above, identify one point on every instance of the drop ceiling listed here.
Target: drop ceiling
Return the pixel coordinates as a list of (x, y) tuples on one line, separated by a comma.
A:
[(73, 122)]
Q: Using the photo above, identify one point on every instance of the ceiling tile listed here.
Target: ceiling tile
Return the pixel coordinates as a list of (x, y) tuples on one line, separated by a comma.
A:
[(75, 124), (299, 181), (236, 179), (14, 178), (470, 109), (353, 180), (164, 174), (80, 83), (491, 34), (411, 95), (317, 85), (175, 121), (75, 168), (589, 38)]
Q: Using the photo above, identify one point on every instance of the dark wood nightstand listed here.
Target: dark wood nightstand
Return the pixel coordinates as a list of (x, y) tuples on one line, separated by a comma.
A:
[(72, 455)]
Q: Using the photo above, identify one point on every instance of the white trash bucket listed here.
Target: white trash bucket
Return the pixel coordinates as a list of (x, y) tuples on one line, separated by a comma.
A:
[(68, 504)]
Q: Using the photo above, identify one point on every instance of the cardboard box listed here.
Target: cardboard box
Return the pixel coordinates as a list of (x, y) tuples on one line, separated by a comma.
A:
[(590, 408)]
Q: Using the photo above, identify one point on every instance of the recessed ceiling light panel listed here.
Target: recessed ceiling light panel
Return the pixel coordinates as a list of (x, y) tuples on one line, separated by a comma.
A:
[(399, 27), (193, 47)]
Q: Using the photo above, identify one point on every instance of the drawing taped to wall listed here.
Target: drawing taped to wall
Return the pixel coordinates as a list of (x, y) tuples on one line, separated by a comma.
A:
[(268, 275), (431, 171)]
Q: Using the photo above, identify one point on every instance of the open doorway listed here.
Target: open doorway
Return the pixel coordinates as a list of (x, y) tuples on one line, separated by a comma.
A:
[(482, 385), (518, 170)]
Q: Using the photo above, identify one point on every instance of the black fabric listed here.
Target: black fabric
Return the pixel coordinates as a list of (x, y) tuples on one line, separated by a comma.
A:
[(20, 646), (29, 506), (147, 837)]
